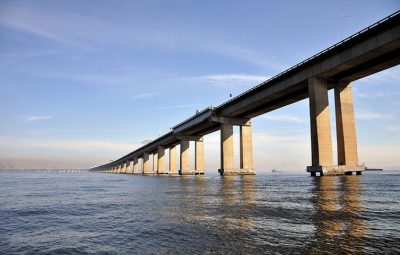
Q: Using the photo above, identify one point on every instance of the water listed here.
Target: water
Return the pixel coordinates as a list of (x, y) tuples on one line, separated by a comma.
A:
[(93, 213)]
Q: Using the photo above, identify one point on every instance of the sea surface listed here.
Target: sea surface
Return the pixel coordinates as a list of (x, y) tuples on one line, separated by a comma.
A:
[(277, 213)]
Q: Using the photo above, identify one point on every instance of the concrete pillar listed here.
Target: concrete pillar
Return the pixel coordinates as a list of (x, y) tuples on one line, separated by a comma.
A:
[(146, 167), (135, 165), (246, 149), (161, 160), (185, 158), (155, 162), (345, 125), (172, 160), (199, 156), (321, 141), (128, 167), (227, 162), (119, 169)]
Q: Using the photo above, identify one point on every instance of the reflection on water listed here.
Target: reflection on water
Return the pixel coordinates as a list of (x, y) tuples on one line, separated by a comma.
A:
[(56, 213), (236, 200), (339, 226)]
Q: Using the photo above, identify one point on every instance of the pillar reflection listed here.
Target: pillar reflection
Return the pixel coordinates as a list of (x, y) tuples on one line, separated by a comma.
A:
[(338, 224), (236, 197)]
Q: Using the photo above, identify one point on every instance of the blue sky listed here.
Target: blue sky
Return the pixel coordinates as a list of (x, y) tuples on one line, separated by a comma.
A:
[(83, 82)]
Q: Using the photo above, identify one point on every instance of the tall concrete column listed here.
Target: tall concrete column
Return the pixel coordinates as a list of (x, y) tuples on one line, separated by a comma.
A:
[(345, 125), (246, 149), (227, 161), (155, 162), (321, 141), (135, 166), (146, 163), (199, 156), (128, 167), (185, 158), (172, 161), (161, 160)]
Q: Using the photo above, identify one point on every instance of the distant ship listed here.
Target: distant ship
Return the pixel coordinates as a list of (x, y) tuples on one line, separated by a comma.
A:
[(275, 171), (372, 169)]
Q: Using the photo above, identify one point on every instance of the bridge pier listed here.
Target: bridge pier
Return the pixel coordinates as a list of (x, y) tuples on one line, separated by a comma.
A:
[(135, 166), (246, 149), (146, 164), (199, 156), (155, 162), (227, 146), (129, 169), (227, 161), (161, 160), (173, 170), (346, 128), (126, 167), (185, 158), (321, 141)]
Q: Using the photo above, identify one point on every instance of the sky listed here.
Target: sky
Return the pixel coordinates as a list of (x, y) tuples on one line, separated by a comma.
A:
[(85, 82)]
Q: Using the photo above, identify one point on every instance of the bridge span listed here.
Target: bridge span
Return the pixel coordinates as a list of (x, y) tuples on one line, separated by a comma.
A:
[(369, 51)]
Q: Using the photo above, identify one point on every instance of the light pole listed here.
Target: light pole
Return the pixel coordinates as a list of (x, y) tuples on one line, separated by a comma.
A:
[(342, 15)]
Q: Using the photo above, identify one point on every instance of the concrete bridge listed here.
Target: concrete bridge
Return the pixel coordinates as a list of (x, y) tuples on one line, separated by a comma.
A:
[(371, 50)]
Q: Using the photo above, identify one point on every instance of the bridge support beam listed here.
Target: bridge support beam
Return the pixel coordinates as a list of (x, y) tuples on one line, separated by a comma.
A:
[(155, 162), (135, 166), (227, 161), (199, 157), (321, 141), (185, 158), (346, 128), (246, 150), (173, 170), (146, 164), (127, 167), (130, 167), (161, 160)]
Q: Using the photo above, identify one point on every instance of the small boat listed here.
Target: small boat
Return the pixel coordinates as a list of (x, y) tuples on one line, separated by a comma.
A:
[(372, 169)]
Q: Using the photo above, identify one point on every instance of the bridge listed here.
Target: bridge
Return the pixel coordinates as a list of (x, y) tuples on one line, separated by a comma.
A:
[(369, 51)]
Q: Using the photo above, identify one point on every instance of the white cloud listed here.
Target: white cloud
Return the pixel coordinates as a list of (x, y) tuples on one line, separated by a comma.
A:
[(282, 118), (37, 117), (394, 129), (81, 145), (233, 78), (92, 33), (378, 94), (387, 76), (364, 115), (177, 106), (379, 155), (143, 95)]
